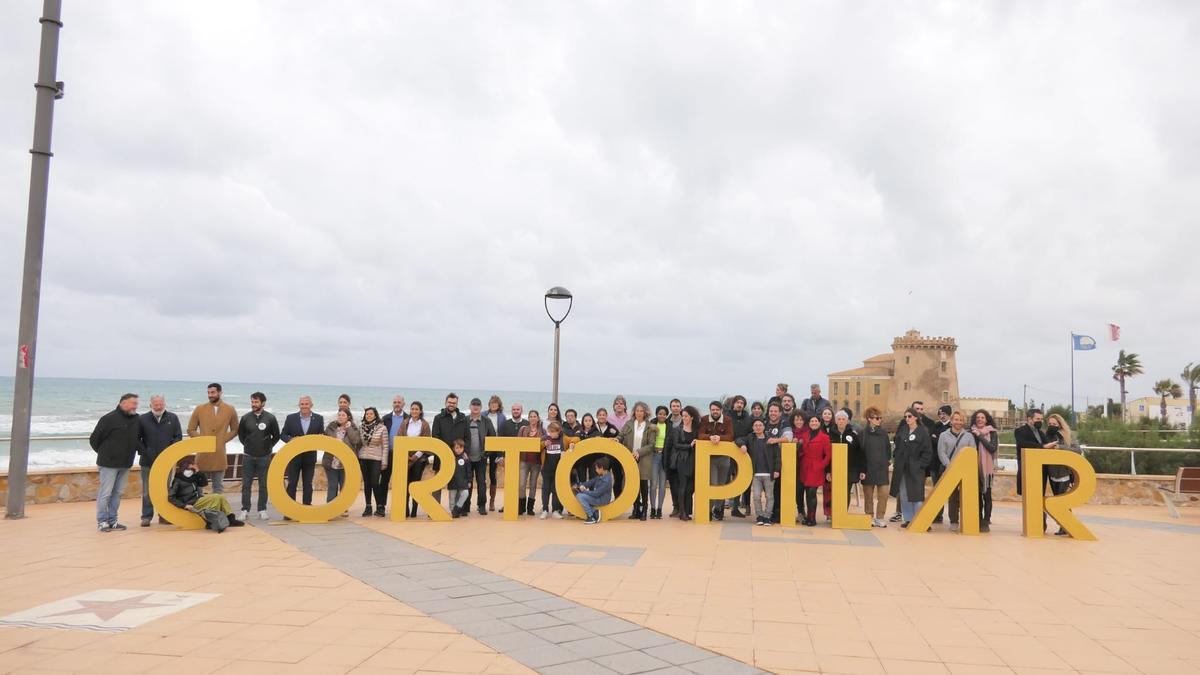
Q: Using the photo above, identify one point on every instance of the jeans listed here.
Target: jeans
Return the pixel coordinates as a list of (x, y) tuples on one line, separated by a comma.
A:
[(335, 478), (590, 502), (147, 505), (459, 498), (372, 470), (108, 498), (549, 469), (217, 480), (760, 487), (718, 472), (877, 495), (478, 481), (252, 467), (304, 464), (658, 482), (907, 508), (955, 505), (529, 480)]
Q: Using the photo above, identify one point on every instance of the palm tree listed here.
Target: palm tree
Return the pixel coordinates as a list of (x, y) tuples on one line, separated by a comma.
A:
[(1128, 365), (1163, 388), (1191, 377)]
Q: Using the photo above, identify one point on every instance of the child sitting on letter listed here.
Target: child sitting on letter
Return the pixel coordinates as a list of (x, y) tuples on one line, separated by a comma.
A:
[(595, 492), (460, 481)]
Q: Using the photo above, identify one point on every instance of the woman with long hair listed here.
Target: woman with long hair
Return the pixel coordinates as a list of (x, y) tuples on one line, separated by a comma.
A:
[(683, 448), (552, 449), (987, 442), (1061, 477), (343, 429), (495, 413), (531, 466), (372, 459), (583, 466), (658, 469), (816, 451), (416, 425), (638, 437), (552, 415)]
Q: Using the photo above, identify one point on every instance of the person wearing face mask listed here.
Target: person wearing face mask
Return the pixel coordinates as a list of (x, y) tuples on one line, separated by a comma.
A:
[(1031, 436), (912, 455), (187, 492), (1058, 475), (936, 467), (950, 443)]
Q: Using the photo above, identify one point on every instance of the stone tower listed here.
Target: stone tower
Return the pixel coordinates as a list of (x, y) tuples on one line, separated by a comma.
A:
[(924, 370)]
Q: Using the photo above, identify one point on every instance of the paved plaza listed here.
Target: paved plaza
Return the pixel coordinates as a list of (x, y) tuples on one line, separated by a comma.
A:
[(479, 595)]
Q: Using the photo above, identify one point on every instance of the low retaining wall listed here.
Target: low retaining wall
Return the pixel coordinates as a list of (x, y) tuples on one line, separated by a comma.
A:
[(77, 485)]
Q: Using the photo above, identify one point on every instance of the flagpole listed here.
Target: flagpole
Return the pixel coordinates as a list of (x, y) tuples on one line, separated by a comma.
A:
[(1072, 379)]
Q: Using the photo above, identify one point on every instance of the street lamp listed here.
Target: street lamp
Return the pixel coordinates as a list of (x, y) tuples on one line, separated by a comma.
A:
[(558, 294)]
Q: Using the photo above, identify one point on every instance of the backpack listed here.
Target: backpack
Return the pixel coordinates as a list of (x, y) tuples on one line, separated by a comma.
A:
[(214, 520)]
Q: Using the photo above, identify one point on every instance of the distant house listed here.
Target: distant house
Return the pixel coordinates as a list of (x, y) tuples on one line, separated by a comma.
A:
[(1179, 410)]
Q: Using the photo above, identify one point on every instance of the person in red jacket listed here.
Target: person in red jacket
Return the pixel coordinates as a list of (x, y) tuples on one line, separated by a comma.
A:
[(814, 462)]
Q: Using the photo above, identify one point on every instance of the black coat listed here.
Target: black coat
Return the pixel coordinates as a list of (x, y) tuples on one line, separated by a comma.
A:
[(511, 428), (856, 462), (764, 458), (877, 452), (116, 439), (683, 453), (185, 491), (934, 434), (743, 427), (910, 460), (1026, 437), (258, 442), (158, 435), (461, 479), (447, 427)]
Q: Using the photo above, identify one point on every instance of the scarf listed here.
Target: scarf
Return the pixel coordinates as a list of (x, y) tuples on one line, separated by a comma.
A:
[(987, 463), (368, 430)]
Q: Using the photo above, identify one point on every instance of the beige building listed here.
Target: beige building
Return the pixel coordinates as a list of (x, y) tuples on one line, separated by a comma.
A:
[(918, 368), (1179, 410)]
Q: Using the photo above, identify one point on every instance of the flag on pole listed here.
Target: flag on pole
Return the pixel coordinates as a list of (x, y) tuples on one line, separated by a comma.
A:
[(1114, 332), (1082, 343)]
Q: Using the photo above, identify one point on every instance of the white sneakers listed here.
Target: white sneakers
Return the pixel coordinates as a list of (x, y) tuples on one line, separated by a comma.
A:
[(245, 515), (875, 522), (262, 515), (558, 515), (543, 515)]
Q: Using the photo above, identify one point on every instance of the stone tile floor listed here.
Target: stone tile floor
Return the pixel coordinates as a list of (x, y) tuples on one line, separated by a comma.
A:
[(699, 598)]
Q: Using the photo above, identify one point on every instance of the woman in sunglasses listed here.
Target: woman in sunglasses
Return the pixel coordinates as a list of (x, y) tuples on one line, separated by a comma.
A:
[(912, 456)]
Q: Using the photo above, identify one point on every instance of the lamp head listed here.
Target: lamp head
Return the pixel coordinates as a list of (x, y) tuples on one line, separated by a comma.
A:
[(558, 294)]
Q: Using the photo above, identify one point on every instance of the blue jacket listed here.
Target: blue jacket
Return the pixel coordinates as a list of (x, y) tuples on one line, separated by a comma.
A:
[(158, 435), (599, 487)]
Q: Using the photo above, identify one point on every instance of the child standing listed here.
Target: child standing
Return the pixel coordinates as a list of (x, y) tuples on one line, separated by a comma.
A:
[(595, 492), (460, 481), (552, 449), (765, 466)]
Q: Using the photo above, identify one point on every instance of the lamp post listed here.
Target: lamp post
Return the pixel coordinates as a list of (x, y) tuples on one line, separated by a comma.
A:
[(557, 294)]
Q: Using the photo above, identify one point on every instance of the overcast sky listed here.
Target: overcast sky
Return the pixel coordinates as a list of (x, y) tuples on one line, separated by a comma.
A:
[(736, 193)]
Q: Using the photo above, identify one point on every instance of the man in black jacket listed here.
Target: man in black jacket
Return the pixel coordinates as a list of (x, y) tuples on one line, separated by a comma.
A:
[(743, 426), (159, 429), (116, 439), (303, 423), (479, 428), (448, 425), (1030, 436), (935, 469), (258, 431)]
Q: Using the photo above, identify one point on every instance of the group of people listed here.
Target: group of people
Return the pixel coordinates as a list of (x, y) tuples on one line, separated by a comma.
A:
[(662, 442)]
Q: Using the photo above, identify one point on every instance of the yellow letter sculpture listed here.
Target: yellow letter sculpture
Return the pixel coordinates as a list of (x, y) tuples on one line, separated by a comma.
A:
[(313, 514), (1058, 506), (705, 451), (963, 473), (787, 488), (512, 449), (607, 446), (422, 490), (160, 475), (842, 518)]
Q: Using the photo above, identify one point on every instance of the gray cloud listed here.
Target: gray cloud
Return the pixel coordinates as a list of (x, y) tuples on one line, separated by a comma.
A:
[(737, 193)]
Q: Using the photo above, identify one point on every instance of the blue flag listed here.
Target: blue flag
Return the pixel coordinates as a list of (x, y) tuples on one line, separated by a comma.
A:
[(1083, 343)]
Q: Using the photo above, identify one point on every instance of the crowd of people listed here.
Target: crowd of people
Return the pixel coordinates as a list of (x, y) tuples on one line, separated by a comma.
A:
[(886, 464)]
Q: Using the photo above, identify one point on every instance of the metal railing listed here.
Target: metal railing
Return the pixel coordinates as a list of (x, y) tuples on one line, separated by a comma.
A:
[(1132, 452)]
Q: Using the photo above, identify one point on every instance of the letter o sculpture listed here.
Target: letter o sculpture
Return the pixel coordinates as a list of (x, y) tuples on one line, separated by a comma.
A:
[(313, 514), (620, 503)]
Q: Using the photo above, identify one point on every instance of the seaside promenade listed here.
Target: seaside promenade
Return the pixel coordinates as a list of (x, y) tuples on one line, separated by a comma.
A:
[(479, 595)]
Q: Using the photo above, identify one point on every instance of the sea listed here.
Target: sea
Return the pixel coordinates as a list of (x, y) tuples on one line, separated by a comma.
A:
[(65, 410)]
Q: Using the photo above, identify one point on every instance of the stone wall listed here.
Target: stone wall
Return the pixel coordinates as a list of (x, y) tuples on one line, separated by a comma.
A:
[(77, 485)]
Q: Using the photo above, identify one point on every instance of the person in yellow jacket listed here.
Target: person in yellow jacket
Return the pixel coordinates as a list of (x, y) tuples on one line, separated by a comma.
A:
[(215, 418)]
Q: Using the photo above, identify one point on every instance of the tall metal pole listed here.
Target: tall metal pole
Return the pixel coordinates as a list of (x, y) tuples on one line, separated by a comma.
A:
[(1073, 380), (554, 392), (48, 89)]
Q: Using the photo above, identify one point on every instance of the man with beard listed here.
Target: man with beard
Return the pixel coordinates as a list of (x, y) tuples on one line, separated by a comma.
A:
[(448, 425), (742, 428), (215, 418), (259, 432)]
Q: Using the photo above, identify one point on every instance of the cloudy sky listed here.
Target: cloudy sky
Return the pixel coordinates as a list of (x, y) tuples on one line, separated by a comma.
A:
[(737, 193)]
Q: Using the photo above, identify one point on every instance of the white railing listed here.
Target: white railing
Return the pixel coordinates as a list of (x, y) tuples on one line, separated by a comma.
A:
[(1132, 452)]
